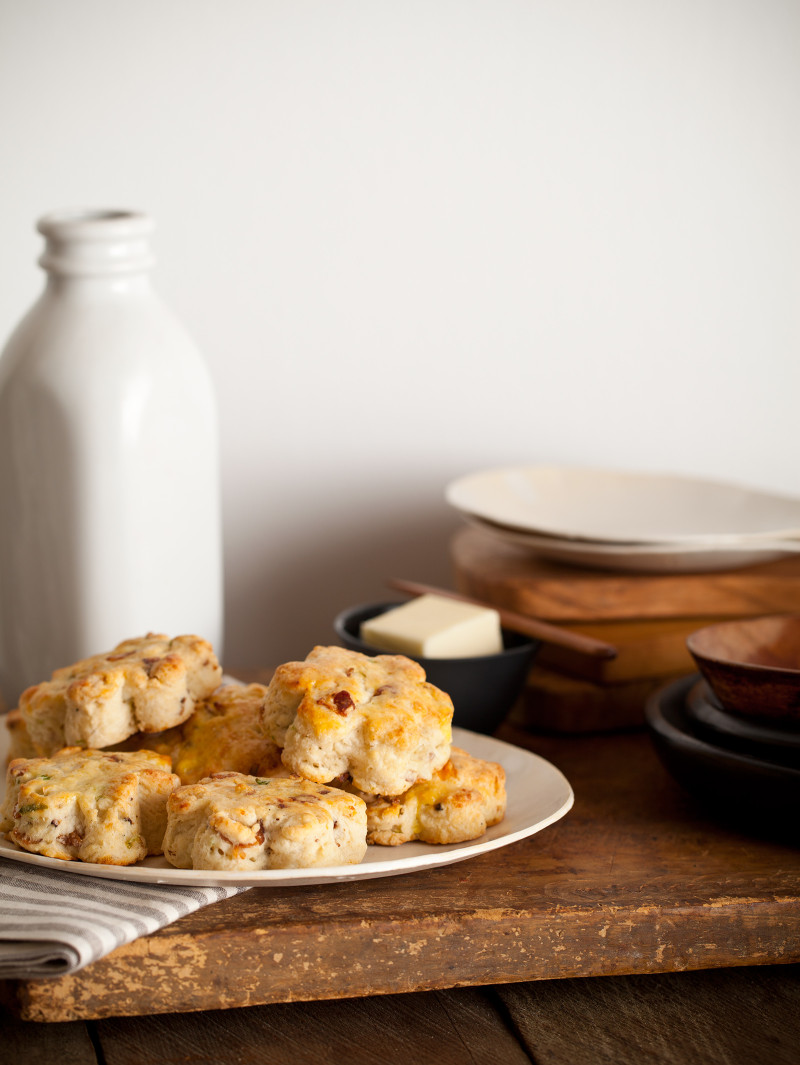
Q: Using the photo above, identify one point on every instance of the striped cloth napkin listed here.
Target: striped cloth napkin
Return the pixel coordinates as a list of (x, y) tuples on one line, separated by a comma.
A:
[(53, 923)]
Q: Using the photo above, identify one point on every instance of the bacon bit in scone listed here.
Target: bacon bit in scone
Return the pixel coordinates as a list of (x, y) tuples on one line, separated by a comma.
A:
[(72, 839), (343, 701)]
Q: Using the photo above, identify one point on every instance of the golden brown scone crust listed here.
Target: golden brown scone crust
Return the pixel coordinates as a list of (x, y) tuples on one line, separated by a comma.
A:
[(459, 803), (146, 684), (226, 734), (103, 807), (232, 821), (375, 718)]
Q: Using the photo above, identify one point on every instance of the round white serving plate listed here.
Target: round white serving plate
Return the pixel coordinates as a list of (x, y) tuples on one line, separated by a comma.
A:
[(624, 508), (538, 795)]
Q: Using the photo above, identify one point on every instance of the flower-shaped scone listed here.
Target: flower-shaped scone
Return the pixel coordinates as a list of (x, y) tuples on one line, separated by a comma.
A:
[(226, 733), (146, 684), (375, 718), (460, 802), (238, 822), (109, 808)]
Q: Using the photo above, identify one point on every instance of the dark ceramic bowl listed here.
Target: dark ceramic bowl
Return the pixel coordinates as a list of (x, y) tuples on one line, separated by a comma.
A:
[(740, 787), (483, 688), (752, 665), (774, 741)]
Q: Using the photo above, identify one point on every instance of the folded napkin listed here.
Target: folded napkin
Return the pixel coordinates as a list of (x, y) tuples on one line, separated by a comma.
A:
[(54, 922)]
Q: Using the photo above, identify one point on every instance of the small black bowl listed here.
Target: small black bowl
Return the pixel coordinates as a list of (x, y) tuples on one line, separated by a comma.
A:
[(483, 687)]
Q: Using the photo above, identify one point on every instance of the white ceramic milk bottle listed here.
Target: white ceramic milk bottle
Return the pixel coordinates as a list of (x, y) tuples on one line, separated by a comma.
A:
[(109, 481)]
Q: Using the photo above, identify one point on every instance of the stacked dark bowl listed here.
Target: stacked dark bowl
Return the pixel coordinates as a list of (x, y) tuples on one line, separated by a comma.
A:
[(731, 735)]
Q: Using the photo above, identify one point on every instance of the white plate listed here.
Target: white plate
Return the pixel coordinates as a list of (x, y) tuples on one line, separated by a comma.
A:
[(614, 507), (538, 795), (640, 558)]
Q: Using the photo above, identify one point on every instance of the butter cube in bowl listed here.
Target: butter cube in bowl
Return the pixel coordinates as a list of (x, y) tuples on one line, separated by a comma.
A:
[(462, 648)]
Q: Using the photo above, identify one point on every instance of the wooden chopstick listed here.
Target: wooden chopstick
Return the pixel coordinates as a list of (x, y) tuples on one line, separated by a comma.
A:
[(538, 630)]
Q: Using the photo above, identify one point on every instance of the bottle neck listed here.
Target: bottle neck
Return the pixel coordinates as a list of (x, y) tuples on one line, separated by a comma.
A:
[(109, 246)]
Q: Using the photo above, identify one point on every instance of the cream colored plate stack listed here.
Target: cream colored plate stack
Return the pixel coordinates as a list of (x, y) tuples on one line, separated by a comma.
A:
[(609, 519)]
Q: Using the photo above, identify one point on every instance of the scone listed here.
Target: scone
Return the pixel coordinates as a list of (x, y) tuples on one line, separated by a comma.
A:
[(238, 822), (375, 718), (226, 733), (93, 806), (460, 802), (146, 684)]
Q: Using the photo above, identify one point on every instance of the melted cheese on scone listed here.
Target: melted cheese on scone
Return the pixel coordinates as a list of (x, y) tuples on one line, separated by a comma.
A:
[(103, 807), (146, 684), (377, 719), (458, 803), (239, 822)]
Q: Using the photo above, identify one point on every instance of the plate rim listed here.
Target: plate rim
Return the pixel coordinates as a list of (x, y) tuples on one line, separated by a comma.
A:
[(156, 870)]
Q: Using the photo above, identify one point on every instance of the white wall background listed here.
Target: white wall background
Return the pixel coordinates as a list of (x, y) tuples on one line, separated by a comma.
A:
[(422, 237)]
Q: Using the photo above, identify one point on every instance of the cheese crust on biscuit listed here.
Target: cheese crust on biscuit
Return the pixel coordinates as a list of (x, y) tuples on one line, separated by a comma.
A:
[(233, 821), (376, 718), (226, 734), (147, 684), (104, 807), (460, 801)]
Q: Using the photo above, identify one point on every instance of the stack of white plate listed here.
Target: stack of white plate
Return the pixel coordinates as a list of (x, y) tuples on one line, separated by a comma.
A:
[(619, 520)]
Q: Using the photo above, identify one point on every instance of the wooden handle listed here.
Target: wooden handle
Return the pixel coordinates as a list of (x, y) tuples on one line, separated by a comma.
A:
[(538, 630)]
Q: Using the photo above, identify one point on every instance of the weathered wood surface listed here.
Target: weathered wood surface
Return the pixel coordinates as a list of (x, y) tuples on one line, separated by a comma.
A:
[(716, 1017), (636, 879), (511, 577)]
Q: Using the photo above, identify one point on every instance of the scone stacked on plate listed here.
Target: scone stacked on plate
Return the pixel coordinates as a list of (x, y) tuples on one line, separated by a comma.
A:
[(232, 821), (147, 684), (340, 750), (72, 795), (376, 719), (460, 801), (93, 806), (376, 727)]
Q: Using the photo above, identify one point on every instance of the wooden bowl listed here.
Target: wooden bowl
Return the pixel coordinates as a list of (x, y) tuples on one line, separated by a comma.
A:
[(752, 665)]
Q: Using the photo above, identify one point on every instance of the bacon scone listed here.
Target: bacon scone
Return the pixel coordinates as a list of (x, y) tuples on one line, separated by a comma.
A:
[(146, 684), (108, 808), (376, 718), (458, 803), (226, 734), (232, 821)]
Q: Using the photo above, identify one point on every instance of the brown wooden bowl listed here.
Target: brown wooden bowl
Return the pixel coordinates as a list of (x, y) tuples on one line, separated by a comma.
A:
[(752, 665)]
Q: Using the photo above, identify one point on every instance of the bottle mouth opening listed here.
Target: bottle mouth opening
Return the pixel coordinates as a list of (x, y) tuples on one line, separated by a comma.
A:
[(91, 224)]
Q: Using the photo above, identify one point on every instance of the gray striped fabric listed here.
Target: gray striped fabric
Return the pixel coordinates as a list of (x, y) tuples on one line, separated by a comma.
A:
[(52, 923)]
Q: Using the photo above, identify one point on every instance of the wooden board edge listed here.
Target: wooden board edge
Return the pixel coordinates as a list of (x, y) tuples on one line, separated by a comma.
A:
[(184, 973)]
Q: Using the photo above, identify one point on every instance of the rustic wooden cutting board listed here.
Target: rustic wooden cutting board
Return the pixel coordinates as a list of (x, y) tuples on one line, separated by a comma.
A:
[(487, 568), (637, 878)]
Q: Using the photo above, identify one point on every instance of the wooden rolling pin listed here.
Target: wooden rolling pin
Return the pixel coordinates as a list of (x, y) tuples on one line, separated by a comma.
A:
[(537, 630)]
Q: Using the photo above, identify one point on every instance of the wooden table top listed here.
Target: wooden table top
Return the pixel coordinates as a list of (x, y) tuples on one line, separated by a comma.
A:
[(636, 879)]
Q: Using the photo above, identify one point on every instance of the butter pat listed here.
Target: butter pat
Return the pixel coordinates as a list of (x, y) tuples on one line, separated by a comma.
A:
[(434, 626)]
